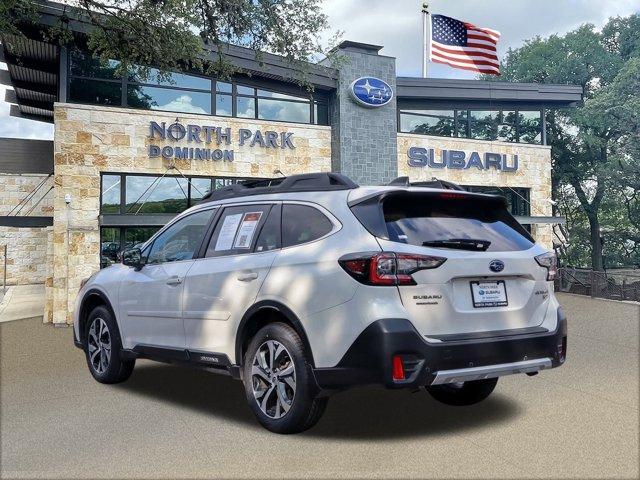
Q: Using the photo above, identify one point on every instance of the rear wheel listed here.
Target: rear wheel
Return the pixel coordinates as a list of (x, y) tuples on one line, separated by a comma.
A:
[(102, 348), (463, 393), (277, 381)]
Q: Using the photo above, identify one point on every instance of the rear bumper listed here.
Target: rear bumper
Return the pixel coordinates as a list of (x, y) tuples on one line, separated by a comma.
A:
[(369, 359)]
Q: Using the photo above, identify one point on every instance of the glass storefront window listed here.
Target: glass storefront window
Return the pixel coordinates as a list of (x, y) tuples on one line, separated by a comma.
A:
[(83, 64), (110, 202), (109, 246), (428, 122), (134, 237), (517, 197), (157, 98), (246, 107), (321, 113), (483, 125), (268, 94), (242, 90), (506, 121), (223, 105), (155, 195), (94, 82), (199, 188), (530, 127), (169, 194), (503, 125), (462, 121), (285, 111), (152, 75), (223, 87), (95, 92)]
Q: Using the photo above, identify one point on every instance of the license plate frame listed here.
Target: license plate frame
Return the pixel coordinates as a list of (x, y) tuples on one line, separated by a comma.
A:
[(490, 299)]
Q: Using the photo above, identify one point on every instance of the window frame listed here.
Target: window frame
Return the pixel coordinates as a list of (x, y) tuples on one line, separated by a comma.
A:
[(250, 251), (122, 210), (337, 225), (125, 82), (464, 127), (196, 254)]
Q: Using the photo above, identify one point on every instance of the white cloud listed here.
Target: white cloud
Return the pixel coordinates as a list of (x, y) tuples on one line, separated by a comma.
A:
[(184, 103)]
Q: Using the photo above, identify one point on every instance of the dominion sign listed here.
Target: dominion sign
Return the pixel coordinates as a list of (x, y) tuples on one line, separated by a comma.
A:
[(199, 136), (457, 159)]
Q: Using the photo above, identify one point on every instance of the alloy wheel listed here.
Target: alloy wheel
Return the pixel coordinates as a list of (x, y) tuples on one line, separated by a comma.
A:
[(273, 378), (99, 345)]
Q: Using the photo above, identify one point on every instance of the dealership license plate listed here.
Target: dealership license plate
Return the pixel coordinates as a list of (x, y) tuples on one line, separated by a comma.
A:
[(489, 294)]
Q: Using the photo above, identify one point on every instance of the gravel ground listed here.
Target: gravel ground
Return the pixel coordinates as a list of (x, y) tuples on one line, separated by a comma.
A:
[(578, 421)]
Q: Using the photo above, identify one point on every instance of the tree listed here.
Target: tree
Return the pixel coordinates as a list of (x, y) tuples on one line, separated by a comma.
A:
[(594, 146), (172, 35)]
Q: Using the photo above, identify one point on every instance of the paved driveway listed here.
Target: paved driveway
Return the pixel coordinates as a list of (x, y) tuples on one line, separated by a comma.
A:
[(578, 421)]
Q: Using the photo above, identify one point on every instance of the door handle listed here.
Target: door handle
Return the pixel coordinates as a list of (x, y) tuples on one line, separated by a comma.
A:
[(174, 281), (247, 277)]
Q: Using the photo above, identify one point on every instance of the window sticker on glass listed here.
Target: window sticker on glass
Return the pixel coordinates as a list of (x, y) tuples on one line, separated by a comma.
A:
[(247, 229), (228, 232)]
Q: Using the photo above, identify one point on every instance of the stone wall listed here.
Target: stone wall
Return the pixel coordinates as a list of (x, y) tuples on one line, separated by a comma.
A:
[(534, 171), (26, 247), (89, 140), (364, 139)]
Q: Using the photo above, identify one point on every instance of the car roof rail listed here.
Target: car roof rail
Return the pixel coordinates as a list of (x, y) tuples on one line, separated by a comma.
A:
[(307, 182), (433, 183)]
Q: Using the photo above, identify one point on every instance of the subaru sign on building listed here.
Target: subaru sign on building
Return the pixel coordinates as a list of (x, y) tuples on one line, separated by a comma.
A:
[(371, 92)]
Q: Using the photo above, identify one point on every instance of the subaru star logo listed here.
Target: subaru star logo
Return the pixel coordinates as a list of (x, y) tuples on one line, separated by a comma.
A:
[(496, 265), (371, 92)]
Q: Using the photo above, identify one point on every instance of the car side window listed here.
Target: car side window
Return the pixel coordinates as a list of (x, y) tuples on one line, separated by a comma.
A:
[(181, 240), (302, 224), (237, 230), (269, 237)]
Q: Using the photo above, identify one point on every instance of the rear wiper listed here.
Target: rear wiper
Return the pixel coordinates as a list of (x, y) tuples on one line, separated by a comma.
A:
[(459, 243)]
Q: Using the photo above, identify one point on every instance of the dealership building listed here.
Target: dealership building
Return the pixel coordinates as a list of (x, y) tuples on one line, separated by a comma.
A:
[(130, 151)]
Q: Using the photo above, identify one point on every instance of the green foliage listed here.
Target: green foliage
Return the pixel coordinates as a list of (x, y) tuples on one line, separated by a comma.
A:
[(596, 146), (172, 35)]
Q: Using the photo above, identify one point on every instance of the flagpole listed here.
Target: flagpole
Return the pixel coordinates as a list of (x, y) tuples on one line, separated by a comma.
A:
[(426, 37)]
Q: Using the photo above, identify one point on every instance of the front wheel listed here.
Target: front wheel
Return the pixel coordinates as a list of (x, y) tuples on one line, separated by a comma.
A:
[(277, 381), (102, 345), (463, 393)]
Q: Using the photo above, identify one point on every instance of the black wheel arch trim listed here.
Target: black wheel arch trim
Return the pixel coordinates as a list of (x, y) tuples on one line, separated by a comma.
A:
[(277, 307), (93, 292)]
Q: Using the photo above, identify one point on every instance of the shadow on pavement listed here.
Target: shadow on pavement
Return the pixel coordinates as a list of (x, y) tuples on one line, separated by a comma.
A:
[(366, 413)]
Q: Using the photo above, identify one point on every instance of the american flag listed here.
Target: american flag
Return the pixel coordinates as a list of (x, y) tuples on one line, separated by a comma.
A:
[(463, 45)]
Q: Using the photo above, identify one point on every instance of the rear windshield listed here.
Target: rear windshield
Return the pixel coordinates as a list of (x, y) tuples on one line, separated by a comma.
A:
[(444, 220)]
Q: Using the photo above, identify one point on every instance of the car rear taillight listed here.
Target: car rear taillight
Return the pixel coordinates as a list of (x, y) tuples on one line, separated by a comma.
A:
[(550, 262), (387, 268)]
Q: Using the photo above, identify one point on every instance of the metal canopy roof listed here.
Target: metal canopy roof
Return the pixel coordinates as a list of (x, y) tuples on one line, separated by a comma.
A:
[(469, 92), (33, 74)]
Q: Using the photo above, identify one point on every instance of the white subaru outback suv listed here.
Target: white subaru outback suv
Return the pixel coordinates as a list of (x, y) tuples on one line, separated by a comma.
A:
[(308, 285)]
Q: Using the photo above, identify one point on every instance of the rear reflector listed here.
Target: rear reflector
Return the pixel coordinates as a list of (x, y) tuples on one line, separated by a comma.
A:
[(398, 369)]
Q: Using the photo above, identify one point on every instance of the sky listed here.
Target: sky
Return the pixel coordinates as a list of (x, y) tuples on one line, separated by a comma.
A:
[(397, 25)]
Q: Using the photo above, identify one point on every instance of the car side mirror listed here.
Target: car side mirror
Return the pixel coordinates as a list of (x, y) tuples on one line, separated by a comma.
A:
[(132, 257)]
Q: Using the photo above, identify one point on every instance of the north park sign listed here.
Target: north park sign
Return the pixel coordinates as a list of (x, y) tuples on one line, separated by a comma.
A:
[(199, 136), (460, 160)]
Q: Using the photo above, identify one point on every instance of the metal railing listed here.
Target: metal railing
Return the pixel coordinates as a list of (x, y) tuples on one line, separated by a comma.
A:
[(614, 285)]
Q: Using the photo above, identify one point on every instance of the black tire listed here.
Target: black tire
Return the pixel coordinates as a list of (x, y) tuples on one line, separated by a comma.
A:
[(304, 408), (106, 367), (466, 394)]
